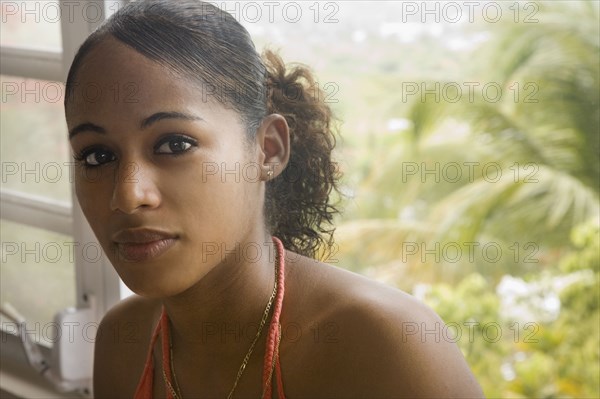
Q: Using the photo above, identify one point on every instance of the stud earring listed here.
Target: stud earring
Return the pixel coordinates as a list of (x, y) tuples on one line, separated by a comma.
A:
[(269, 174)]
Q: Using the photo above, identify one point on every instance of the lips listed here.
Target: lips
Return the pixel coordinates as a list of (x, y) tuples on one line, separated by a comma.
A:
[(141, 244)]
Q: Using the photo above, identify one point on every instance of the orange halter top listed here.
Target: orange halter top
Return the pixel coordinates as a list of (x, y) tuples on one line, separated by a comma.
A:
[(271, 362)]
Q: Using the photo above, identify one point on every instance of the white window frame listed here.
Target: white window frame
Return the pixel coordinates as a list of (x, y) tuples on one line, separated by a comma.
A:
[(96, 280)]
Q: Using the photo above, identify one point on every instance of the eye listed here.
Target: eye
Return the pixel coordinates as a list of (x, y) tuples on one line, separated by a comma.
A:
[(176, 144), (95, 157)]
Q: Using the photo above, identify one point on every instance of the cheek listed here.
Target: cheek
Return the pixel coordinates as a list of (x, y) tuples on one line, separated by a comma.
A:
[(212, 197), (215, 199), (93, 195)]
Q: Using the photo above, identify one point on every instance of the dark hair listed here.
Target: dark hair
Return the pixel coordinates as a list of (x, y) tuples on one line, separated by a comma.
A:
[(207, 45)]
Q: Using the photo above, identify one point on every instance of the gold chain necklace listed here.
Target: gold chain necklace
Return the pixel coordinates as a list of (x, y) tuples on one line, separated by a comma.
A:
[(176, 391)]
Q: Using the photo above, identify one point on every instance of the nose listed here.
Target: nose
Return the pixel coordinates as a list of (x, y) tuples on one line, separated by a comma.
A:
[(134, 189)]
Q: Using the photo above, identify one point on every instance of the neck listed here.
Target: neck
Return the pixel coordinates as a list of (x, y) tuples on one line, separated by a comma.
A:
[(222, 312)]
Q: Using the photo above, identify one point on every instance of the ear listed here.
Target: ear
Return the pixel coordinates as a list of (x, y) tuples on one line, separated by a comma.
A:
[(273, 142)]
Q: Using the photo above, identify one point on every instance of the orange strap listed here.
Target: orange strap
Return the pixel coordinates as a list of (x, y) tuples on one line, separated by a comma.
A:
[(145, 386), (273, 338)]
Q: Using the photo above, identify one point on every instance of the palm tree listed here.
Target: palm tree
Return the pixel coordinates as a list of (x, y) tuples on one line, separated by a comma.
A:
[(519, 172)]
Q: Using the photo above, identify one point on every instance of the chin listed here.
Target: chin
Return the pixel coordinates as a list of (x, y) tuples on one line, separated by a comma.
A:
[(154, 289), (157, 279)]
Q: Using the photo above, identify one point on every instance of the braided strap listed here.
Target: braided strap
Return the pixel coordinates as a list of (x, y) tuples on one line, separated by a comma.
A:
[(274, 333)]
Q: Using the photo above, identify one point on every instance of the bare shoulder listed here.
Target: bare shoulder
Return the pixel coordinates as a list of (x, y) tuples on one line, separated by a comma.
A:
[(121, 346), (367, 339)]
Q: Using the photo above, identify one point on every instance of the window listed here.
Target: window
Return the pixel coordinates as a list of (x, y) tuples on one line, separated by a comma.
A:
[(38, 275), (50, 258), (34, 260), (33, 114), (33, 24)]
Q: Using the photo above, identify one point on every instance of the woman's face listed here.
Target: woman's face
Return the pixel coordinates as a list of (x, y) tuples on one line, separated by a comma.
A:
[(163, 175)]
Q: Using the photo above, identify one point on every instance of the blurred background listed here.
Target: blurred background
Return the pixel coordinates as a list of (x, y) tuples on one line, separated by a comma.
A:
[(469, 143)]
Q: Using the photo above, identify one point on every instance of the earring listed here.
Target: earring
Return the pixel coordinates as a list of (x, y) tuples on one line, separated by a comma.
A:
[(269, 174)]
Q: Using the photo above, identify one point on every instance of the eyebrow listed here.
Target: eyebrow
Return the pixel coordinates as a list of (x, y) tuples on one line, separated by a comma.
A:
[(90, 127)]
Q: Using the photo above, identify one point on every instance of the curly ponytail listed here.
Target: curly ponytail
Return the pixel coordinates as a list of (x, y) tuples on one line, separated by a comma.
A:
[(219, 54), (298, 202)]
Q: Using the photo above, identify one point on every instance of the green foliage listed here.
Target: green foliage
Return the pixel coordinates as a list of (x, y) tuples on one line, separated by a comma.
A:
[(538, 202), (519, 172), (558, 358), (578, 354), (472, 310)]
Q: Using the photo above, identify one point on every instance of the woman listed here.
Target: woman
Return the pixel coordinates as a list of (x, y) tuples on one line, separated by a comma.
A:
[(197, 163)]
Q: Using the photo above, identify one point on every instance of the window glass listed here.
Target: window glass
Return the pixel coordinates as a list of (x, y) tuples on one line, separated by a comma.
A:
[(33, 23), (33, 133), (38, 276)]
